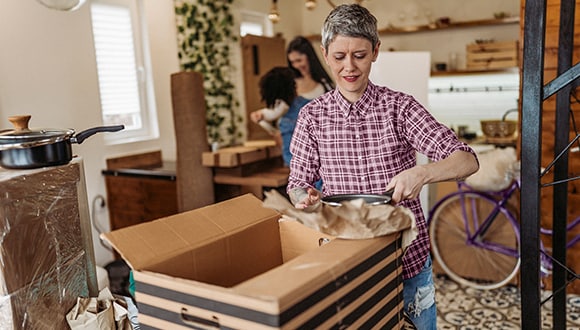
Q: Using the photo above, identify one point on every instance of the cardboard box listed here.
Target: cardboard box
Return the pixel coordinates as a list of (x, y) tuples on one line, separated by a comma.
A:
[(239, 155), (236, 265), (46, 250)]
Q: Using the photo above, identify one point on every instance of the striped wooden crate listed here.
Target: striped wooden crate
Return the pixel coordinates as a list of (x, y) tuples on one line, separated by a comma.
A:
[(235, 265), (492, 55)]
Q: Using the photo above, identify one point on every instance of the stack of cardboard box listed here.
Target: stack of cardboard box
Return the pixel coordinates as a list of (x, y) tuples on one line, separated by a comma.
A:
[(246, 169), (46, 250)]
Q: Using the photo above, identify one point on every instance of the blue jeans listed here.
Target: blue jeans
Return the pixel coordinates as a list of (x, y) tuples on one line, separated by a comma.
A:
[(419, 297)]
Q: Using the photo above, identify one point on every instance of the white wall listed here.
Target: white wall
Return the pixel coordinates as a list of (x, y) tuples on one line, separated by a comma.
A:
[(47, 66), (47, 70), (465, 100)]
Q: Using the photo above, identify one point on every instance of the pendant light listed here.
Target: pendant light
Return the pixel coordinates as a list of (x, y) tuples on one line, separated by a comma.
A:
[(64, 5), (274, 15), (310, 4)]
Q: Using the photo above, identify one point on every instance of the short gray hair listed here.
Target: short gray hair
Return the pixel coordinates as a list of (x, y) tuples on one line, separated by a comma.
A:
[(352, 20)]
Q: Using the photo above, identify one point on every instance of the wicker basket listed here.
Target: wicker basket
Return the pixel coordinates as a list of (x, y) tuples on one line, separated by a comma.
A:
[(498, 128)]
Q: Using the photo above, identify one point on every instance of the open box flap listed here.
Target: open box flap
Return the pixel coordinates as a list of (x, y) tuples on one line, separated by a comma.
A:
[(151, 242)]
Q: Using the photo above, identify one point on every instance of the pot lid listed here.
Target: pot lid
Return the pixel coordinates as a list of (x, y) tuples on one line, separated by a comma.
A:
[(23, 137)]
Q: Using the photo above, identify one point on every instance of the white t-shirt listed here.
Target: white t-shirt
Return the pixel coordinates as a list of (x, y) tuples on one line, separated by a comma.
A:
[(314, 93)]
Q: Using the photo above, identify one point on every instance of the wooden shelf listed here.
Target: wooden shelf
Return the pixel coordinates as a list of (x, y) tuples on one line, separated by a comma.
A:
[(452, 25), (437, 27)]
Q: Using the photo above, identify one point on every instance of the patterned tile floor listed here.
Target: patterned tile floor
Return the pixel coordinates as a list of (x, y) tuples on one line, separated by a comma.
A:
[(469, 309)]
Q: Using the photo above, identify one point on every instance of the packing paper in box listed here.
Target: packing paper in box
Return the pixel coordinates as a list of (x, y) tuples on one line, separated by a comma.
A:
[(352, 220), (105, 312), (44, 254)]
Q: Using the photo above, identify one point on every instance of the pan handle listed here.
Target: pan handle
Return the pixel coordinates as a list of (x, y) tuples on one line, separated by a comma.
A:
[(81, 136), (389, 192)]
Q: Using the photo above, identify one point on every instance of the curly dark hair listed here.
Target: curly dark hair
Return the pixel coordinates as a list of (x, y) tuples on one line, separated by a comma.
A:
[(278, 83), (303, 46)]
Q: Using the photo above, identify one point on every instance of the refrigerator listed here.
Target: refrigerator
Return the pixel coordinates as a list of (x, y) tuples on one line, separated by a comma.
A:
[(407, 72)]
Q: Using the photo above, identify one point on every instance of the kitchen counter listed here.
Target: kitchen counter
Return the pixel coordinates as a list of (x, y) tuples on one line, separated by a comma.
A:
[(483, 142), (166, 171)]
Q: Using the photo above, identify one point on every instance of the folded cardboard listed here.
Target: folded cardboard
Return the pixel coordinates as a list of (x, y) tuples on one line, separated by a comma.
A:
[(236, 265)]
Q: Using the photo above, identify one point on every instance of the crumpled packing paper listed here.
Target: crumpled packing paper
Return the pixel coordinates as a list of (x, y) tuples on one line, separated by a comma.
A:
[(104, 312), (352, 220)]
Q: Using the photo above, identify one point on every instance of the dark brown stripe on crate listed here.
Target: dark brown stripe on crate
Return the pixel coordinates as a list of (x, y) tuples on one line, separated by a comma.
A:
[(351, 296), (341, 281), (200, 302), (380, 314), (385, 310)]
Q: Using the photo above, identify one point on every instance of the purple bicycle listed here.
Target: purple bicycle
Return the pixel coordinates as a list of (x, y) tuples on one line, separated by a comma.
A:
[(475, 237)]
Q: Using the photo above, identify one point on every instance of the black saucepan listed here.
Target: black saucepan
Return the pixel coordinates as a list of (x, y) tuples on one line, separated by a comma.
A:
[(370, 199), (25, 148)]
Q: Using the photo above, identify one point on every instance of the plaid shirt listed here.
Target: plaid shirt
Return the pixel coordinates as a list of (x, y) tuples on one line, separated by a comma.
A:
[(360, 147)]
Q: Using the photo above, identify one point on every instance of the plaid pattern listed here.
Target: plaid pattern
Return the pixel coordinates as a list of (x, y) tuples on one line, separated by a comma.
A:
[(358, 148)]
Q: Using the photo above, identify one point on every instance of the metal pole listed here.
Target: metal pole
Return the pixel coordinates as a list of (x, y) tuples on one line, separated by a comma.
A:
[(532, 96)]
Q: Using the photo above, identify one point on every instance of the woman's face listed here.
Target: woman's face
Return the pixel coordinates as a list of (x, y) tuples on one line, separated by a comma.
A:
[(350, 60), (299, 61)]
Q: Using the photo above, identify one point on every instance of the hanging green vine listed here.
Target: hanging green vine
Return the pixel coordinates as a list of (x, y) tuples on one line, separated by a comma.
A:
[(204, 35)]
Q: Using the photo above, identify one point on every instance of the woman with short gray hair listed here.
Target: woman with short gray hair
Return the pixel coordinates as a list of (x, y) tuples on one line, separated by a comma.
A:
[(364, 138)]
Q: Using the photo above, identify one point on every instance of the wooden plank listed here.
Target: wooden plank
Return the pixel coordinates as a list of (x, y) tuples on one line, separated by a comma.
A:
[(274, 178), (551, 57), (260, 143), (252, 168), (492, 46), (493, 64), (142, 160), (492, 56), (239, 155)]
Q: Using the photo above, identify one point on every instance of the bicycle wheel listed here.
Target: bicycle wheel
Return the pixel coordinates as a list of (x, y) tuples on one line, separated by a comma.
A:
[(487, 262)]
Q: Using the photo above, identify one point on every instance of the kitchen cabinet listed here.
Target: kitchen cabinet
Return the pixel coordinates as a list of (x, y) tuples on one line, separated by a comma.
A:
[(140, 190)]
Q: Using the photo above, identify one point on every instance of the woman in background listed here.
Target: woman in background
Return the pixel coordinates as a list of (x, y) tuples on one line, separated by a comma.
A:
[(311, 78)]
